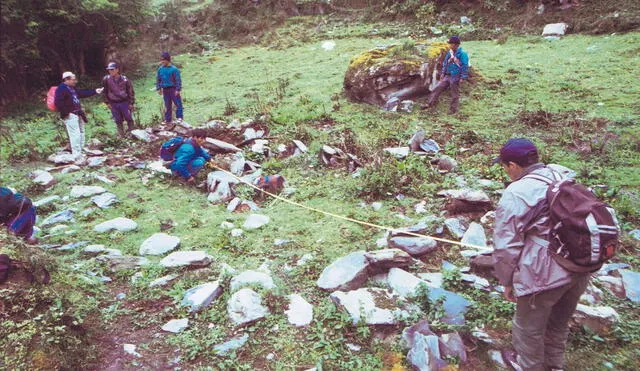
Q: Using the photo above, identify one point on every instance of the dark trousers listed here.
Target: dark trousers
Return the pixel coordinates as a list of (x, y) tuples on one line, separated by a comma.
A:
[(121, 112), (448, 82), (22, 225), (169, 95)]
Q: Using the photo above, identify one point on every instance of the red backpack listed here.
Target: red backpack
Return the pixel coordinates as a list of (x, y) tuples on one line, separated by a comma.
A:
[(51, 99), (583, 231)]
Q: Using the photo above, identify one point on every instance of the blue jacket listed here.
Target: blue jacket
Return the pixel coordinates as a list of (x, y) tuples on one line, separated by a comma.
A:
[(452, 69), (186, 153), (12, 204), (67, 100), (168, 77)]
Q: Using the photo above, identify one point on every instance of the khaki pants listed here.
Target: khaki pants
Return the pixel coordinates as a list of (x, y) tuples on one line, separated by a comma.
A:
[(75, 130), (541, 324)]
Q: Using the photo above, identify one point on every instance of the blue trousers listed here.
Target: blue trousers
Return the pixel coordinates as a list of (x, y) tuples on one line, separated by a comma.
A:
[(194, 166), (169, 96), (121, 112), (22, 225)]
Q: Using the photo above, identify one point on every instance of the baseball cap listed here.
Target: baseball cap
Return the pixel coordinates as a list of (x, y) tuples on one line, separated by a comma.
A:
[(112, 66), (516, 150), (454, 40), (67, 74), (165, 56)]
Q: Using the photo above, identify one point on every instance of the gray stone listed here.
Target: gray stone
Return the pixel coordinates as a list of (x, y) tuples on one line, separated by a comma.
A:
[(249, 133), (43, 178), (86, 191), (236, 232), (118, 263), (399, 152), (70, 169), (446, 163), (425, 353), (100, 249), (613, 284), (631, 282), (476, 281), (104, 200), (142, 135), (231, 345), (346, 273), (103, 179), (607, 269), (47, 200), (176, 325), (220, 186), (300, 312), (475, 236), (201, 296), (416, 246), (227, 225), (381, 260), (488, 218), (555, 29), (635, 234), (245, 306), (131, 349), (369, 305), (455, 227), (186, 258), (469, 195), (496, 357), (599, 319), (96, 161), (60, 217), (62, 158), (119, 224), (376, 206), (259, 146), (158, 167), (300, 146), (406, 106), (454, 347), (158, 244), (73, 245), (483, 336), (409, 333), (220, 146), (432, 279), (164, 280), (255, 221), (247, 278), (482, 263)]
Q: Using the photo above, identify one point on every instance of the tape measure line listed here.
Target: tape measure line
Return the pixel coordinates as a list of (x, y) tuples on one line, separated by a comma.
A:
[(477, 247)]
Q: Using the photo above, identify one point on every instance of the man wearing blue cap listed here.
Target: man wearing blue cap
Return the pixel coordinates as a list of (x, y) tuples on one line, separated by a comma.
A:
[(455, 66), (169, 85), (546, 295), (119, 97)]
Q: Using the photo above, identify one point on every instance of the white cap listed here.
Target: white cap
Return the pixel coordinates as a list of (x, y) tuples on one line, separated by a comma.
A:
[(67, 74)]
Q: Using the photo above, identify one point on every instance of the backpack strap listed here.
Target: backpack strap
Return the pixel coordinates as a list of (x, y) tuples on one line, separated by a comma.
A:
[(541, 178)]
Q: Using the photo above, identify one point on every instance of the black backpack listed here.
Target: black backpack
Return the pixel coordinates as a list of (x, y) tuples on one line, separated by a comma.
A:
[(583, 231)]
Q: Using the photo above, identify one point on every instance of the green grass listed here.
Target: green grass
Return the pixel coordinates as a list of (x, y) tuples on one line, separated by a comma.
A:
[(298, 92)]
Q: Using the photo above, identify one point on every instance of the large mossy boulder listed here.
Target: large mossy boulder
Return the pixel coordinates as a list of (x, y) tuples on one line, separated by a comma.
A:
[(383, 74)]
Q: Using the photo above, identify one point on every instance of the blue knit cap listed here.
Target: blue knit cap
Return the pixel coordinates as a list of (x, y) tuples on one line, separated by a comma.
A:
[(166, 56), (516, 150)]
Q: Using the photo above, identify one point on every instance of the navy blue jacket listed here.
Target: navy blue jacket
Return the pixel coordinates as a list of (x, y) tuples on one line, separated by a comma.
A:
[(67, 100)]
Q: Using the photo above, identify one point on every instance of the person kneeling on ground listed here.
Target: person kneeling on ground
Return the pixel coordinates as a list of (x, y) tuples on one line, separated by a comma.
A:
[(190, 157), (18, 214)]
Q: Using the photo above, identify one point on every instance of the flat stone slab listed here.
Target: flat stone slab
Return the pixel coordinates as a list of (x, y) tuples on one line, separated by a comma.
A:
[(231, 345), (61, 158), (388, 258), (300, 312), (60, 217), (101, 250), (117, 262), (599, 319), (46, 200), (250, 277), (201, 296), (555, 29), (220, 146), (631, 282), (186, 258), (86, 191), (245, 306), (255, 221), (475, 235), (119, 224), (415, 246), (159, 244), (373, 306), (164, 280), (42, 177), (455, 227), (346, 273), (176, 325), (105, 200)]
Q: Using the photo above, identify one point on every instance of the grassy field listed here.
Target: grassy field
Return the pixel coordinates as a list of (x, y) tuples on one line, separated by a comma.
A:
[(577, 98)]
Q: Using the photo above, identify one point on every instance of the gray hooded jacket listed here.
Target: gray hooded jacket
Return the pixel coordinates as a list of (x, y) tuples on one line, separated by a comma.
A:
[(520, 236)]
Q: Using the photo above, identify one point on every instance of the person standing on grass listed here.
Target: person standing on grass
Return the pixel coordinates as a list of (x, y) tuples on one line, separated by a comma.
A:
[(119, 97), (455, 67), (190, 157), (169, 85), (18, 214), (67, 102), (546, 295)]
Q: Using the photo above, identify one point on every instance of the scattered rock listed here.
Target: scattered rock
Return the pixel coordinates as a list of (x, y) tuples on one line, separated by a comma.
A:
[(631, 282), (220, 186), (104, 200), (245, 306), (143, 136), (555, 29), (100, 249), (613, 284), (73, 245), (164, 280), (477, 282), (300, 147), (227, 225), (70, 169), (47, 200), (86, 191), (219, 146), (247, 278), (454, 346), (446, 163), (455, 227), (598, 319), (236, 232), (346, 273), (328, 45), (186, 258), (381, 260), (300, 312), (406, 106), (62, 158), (201, 296), (231, 345), (158, 244), (482, 263), (416, 246), (176, 325), (432, 279), (124, 262), (425, 353), (43, 178), (157, 167), (399, 152), (96, 161), (119, 224), (496, 357), (608, 268), (255, 221), (489, 218), (369, 305), (466, 200), (131, 349), (475, 236), (483, 336), (60, 217)]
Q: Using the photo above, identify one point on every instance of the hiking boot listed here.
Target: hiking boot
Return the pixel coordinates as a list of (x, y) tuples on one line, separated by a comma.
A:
[(510, 357)]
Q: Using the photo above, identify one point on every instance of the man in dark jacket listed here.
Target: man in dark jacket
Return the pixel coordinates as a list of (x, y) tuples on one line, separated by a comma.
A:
[(169, 85), (67, 101), (455, 67), (119, 97), (546, 295), (18, 214), (190, 157)]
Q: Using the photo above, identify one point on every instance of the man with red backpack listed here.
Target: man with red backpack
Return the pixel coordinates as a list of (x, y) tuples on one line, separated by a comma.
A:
[(529, 263), (188, 156)]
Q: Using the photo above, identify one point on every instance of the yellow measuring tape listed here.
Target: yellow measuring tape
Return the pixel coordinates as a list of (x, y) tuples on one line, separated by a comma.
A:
[(477, 247)]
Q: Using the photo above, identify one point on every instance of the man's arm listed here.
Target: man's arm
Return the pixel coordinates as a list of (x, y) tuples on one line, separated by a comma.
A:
[(508, 236), (105, 86), (178, 80), (464, 66), (131, 93)]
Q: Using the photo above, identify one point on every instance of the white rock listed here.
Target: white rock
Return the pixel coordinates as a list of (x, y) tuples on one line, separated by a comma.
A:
[(301, 146), (104, 200), (245, 306), (142, 135), (176, 325), (300, 312), (328, 45), (86, 191), (42, 177), (255, 221), (119, 224), (103, 179), (362, 305), (131, 349), (227, 225), (158, 244), (236, 232), (474, 235), (497, 359), (201, 296), (61, 158), (100, 249), (432, 279), (164, 280), (220, 146), (46, 200), (599, 319), (555, 29), (252, 278), (399, 152), (184, 258), (455, 227), (346, 273), (70, 169), (158, 167)]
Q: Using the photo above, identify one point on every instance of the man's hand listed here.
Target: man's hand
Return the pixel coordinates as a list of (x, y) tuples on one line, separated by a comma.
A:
[(191, 180), (108, 105), (177, 93), (159, 91), (99, 90), (508, 294)]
